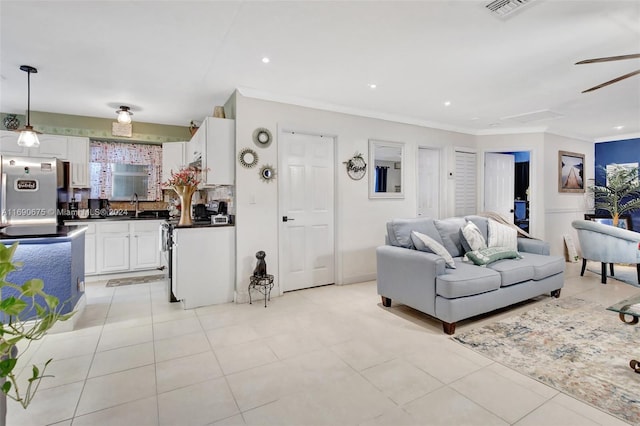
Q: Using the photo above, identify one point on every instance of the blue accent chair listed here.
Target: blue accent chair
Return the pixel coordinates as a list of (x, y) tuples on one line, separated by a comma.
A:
[(607, 244)]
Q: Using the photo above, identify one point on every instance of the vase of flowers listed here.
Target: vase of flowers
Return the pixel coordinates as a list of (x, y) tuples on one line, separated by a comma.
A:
[(185, 183)]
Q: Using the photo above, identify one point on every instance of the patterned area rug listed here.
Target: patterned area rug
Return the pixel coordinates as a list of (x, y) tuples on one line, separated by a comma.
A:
[(135, 280), (626, 274), (573, 345)]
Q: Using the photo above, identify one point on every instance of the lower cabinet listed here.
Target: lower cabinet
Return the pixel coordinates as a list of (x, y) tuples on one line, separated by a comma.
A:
[(203, 264), (121, 246)]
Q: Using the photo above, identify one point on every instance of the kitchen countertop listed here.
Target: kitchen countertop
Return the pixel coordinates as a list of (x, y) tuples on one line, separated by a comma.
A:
[(19, 232)]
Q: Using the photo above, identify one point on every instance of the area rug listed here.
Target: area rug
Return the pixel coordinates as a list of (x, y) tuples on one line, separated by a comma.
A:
[(134, 280), (573, 345), (626, 274)]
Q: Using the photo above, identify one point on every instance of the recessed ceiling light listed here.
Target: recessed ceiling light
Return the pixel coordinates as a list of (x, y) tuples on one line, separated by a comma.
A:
[(372, 85), (447, 103), (619, 127), (266, 60)]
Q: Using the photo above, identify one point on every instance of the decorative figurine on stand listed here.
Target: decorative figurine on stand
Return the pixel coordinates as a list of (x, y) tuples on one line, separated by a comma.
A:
[(261, 266), (260, 280)]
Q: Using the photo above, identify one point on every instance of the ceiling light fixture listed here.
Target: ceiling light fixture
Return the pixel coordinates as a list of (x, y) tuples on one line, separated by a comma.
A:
[(124, 115), (28, 136), (447, 103), (265, 60), (619, 127), (372, 86)]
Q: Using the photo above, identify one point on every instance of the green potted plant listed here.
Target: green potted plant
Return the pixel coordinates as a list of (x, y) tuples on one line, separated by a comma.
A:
[(28, 313), (621, 192)]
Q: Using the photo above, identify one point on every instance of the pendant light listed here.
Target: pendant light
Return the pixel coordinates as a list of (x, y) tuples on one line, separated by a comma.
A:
[(28, 137), (124, 115)]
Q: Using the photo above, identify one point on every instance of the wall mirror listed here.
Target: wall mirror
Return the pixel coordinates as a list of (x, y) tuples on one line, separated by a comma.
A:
[(386, 169)]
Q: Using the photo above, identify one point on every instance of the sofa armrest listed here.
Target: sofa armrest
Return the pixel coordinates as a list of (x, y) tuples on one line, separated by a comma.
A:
[(529, 245), (409, 276)]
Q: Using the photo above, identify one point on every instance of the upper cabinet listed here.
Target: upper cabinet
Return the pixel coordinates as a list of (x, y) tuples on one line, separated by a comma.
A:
[(78, 157), (214, 146), (174, 157), (66, 148)]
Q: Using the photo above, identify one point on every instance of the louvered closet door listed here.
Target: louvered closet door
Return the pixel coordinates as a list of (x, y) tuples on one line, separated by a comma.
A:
[(466, 188)]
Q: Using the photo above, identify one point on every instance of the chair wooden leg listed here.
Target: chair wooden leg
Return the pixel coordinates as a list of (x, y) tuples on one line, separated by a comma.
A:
[(449, 328), (386, 302), (584, 266), (638, 269), (611, 269), (603, 271)]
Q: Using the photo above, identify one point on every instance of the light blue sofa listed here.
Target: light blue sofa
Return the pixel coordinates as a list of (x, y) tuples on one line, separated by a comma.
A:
[(607, 244), (420, 280)]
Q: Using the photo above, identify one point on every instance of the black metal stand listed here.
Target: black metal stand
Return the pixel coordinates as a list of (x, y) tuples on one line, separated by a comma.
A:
[(263, 285)]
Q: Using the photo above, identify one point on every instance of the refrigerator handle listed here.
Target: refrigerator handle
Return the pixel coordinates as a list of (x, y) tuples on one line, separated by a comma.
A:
[(3, 200)]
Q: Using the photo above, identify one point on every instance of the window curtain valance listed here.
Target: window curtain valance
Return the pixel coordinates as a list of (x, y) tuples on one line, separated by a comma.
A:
[(104, 153)]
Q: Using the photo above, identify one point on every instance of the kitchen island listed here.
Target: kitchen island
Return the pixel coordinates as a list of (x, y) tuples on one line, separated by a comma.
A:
[(53, 253)]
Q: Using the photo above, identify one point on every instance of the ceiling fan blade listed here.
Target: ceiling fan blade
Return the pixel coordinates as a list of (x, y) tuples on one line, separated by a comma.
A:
[(609, 58), (615, 80)]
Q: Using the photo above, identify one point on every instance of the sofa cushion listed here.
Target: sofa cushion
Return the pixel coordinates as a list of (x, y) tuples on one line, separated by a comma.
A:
[(423, 242), (449, 230), (466, 280), (544, 266), (471, 237), (502, 235), (399, 231), (482, 224)]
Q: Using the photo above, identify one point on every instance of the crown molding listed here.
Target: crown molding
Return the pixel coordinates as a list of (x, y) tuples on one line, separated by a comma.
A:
[(618, 137)]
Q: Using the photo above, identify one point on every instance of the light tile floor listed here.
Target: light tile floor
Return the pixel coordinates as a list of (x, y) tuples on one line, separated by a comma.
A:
[(325, 356)]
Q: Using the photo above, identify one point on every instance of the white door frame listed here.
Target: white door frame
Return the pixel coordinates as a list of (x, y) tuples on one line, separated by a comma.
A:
[(337, 265)]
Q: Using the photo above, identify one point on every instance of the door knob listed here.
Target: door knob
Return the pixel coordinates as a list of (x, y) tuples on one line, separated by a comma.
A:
[(286, 219)]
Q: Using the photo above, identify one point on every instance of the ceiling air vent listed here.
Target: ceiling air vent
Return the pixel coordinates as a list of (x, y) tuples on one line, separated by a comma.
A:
[(529, 117), (503, 8)]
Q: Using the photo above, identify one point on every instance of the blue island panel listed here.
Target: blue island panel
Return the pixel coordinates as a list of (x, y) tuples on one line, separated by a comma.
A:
[(59, 262)]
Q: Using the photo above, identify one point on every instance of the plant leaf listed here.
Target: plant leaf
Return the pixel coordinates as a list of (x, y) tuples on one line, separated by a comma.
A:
[(32, 287), (12, 306), (6, 366)]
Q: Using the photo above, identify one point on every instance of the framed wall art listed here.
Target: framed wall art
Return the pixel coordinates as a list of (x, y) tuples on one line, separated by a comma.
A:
[(570, 172)]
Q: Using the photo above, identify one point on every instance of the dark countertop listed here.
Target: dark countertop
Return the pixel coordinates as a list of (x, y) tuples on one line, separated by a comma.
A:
[(49, 231), (197, 224)]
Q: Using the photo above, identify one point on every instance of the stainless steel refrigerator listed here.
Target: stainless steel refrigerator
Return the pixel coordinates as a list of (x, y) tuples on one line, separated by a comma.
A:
[(29, 190)]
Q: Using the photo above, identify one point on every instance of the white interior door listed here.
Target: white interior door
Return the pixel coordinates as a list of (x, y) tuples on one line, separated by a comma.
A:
[(306, 190), (429, 182), (499, 181)]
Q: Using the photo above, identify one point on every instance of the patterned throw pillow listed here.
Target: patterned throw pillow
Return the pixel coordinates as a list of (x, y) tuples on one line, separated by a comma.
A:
[(489, 255), (502, 236), (425, 243), (472, 236)]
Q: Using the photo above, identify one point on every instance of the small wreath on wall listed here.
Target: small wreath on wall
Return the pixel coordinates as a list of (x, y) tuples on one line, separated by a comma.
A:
[(262, 137), (248, 158), (356, 166), (267, 173)]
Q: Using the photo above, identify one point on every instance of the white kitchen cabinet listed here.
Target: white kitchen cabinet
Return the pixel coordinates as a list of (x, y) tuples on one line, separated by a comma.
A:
[(120, 245), (113, 247), (214, 143), (145, 245), (9, 144), (203, 263), (90, 266), (173, 158), (51, 146), (78, 157)]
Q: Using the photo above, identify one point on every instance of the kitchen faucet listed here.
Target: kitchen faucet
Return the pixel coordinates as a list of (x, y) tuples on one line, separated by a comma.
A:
[(134, 200)]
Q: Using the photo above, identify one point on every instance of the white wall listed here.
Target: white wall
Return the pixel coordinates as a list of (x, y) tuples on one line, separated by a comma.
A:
[(561, 208), (360, 222)]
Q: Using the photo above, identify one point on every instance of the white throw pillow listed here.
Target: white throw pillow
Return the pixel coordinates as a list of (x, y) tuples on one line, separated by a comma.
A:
[(429, 244), (502, 236), (473, 236)]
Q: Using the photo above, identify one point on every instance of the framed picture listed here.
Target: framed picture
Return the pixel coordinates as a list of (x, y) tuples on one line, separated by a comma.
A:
[(624, 222), (570, 172)]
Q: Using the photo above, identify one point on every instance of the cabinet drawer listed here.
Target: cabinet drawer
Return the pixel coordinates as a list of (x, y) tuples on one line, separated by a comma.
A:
[(145, 226), (114, 228)]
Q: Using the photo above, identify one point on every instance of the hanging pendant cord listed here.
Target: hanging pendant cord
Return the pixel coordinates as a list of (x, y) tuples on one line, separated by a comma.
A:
[(28, 98)]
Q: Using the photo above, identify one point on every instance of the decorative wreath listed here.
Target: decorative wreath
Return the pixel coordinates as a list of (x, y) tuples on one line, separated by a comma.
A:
[(267, 173), (248, 158), (262, 137), (356, 166)]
